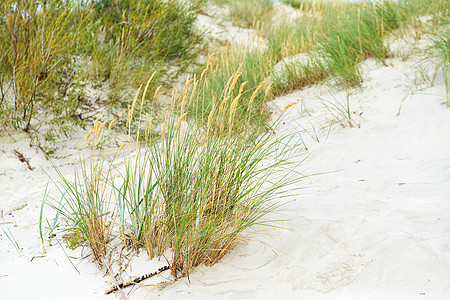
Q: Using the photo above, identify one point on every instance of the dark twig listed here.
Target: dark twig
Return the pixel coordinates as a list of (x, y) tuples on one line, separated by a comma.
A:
[(23, 159), (136, 280)]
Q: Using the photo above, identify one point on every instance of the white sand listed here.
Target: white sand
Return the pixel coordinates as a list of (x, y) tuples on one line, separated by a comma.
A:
[(374, 225)]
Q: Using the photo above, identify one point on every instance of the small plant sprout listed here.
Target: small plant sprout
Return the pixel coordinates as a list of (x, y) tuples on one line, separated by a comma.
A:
[(11, 238), (340, 110)]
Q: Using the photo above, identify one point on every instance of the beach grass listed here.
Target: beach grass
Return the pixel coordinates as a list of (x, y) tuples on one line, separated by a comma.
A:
[(298, 73), (333, 37), (249, 13), (86, 205), (221, 85), (219, 165), (311, 6), (196, 191), (69, 49), (439, 51)]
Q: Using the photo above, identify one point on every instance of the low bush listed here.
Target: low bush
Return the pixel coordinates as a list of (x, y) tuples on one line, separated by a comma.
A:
[(138, 37), (38, 63), (52, 50)]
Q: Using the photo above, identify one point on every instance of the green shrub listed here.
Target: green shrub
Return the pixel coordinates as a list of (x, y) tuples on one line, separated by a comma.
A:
[(39, 61), (138, 37), (50, 50)]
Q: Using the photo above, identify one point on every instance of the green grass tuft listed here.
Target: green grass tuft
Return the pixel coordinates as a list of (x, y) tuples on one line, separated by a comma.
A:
[(249, 13), (196, 191)]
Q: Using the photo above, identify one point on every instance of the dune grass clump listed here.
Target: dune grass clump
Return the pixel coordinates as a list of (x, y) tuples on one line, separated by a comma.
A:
[(310, 6), (214, 191), (441, 49), (249, 13), (208, 183), (296, 73), (338, 36), (216, 181), (415, 8), (291, 37), (86, 205), (359, 34), (221, 86), (195, 192)]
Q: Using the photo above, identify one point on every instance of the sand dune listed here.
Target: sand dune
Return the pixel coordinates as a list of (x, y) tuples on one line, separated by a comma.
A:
[(371, 223)]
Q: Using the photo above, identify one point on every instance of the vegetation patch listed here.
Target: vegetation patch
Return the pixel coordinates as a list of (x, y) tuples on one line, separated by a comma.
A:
[(195, 192), (222, 89), (51, 51), (249, 13), (218, 165)]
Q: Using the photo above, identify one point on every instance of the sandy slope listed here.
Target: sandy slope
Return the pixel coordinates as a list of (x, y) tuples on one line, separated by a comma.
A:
[(374, 223)]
